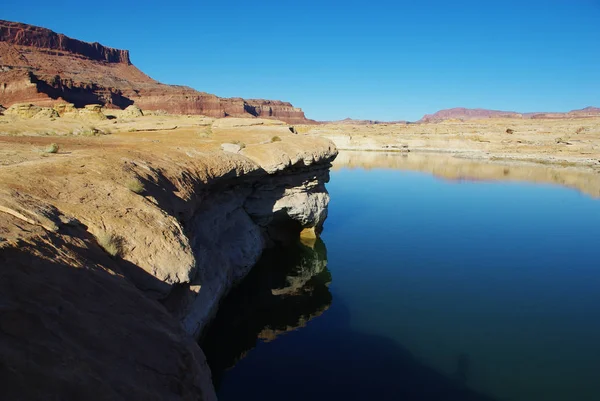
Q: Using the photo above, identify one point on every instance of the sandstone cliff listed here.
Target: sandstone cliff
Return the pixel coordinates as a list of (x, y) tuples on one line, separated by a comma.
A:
[(116, 250), (42, 67)]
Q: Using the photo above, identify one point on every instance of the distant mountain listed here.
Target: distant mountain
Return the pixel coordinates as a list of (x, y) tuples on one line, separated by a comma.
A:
[(461, 113), (351, 121)]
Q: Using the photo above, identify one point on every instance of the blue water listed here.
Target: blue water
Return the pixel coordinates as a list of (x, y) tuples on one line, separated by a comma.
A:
[(442, 290)]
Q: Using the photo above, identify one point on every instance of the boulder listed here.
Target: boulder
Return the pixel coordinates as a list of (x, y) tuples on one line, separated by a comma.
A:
[(132, 111), (66, 109), (92, 112), (46, 112), (231, 147)]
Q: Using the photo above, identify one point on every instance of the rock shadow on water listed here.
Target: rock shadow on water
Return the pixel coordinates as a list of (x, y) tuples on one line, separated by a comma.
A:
[(326, 360), (287, 288)]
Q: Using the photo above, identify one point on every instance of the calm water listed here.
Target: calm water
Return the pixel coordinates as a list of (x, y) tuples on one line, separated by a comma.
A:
[(423, 289)]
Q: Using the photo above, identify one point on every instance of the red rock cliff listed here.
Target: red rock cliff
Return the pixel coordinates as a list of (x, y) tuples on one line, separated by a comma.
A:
[(32, 36), (42, 67)]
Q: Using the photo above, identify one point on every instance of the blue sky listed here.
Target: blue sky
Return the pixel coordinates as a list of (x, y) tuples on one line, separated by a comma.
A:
[(361, 59)]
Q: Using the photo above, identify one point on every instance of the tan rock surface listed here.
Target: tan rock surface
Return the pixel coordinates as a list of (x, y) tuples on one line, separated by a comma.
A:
[(176, 211), (73, 327), (572, 141), (132, 111)]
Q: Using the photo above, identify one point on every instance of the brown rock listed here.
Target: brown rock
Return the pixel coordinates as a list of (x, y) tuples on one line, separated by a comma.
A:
[(42, 67), (75, 329), (133, 111), (85, 257)]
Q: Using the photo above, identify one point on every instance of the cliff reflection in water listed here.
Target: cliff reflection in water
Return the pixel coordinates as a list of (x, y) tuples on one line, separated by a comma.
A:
[(582, 178), (287, 288)]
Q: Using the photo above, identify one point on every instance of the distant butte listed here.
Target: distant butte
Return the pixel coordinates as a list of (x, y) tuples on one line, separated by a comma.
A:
[(43, 67), (461, 113)]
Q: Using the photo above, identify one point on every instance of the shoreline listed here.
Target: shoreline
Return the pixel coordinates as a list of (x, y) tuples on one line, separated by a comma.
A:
[(129, 241), (591, 164), (452, 167)]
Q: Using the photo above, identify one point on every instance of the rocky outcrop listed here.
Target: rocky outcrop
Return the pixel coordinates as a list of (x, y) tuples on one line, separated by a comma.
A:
[(28, 110), (42, 38), (42, 67), (231, 229), (133, 111), (73, 327), (104, 285)]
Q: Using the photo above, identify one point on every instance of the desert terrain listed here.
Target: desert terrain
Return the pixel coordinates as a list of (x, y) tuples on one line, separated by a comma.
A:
[(129, 208), (565, 142), (157, 216), (564, 151)]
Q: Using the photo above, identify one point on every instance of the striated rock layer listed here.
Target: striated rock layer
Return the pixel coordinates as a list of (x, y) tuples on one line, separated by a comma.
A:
[(105, 285), (42, 67)]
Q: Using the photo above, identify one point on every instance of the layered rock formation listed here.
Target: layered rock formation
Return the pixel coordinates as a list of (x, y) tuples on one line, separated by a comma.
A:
[(42, 67), (116, 251)]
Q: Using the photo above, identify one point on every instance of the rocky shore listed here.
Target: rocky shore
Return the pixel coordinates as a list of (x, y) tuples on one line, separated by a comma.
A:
[(115, 250)]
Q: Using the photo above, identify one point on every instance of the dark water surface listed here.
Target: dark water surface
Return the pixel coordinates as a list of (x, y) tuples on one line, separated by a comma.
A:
[(423, 289)]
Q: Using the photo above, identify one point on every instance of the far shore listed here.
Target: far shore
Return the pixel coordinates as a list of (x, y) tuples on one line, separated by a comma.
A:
[(567, 143), (559, 142)]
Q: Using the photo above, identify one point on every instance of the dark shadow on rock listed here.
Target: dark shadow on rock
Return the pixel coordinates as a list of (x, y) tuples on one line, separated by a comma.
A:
[(80, 94), (83, 331)]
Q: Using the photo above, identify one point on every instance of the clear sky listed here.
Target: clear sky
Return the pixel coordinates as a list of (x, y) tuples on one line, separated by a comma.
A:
[(370, 59)]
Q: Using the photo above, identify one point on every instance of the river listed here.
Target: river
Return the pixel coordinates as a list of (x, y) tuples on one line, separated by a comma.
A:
[(436, 279)]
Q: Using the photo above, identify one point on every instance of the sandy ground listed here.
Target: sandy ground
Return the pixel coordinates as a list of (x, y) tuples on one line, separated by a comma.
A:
[(97, 165), (566, 142), (564, 152), (26, 140)]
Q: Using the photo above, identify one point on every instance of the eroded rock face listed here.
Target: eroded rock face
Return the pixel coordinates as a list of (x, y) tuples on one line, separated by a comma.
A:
[(230, 230), (34, 36), (133, 111), (73, 327), (73, 318), (28, 110), (61, 69)]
